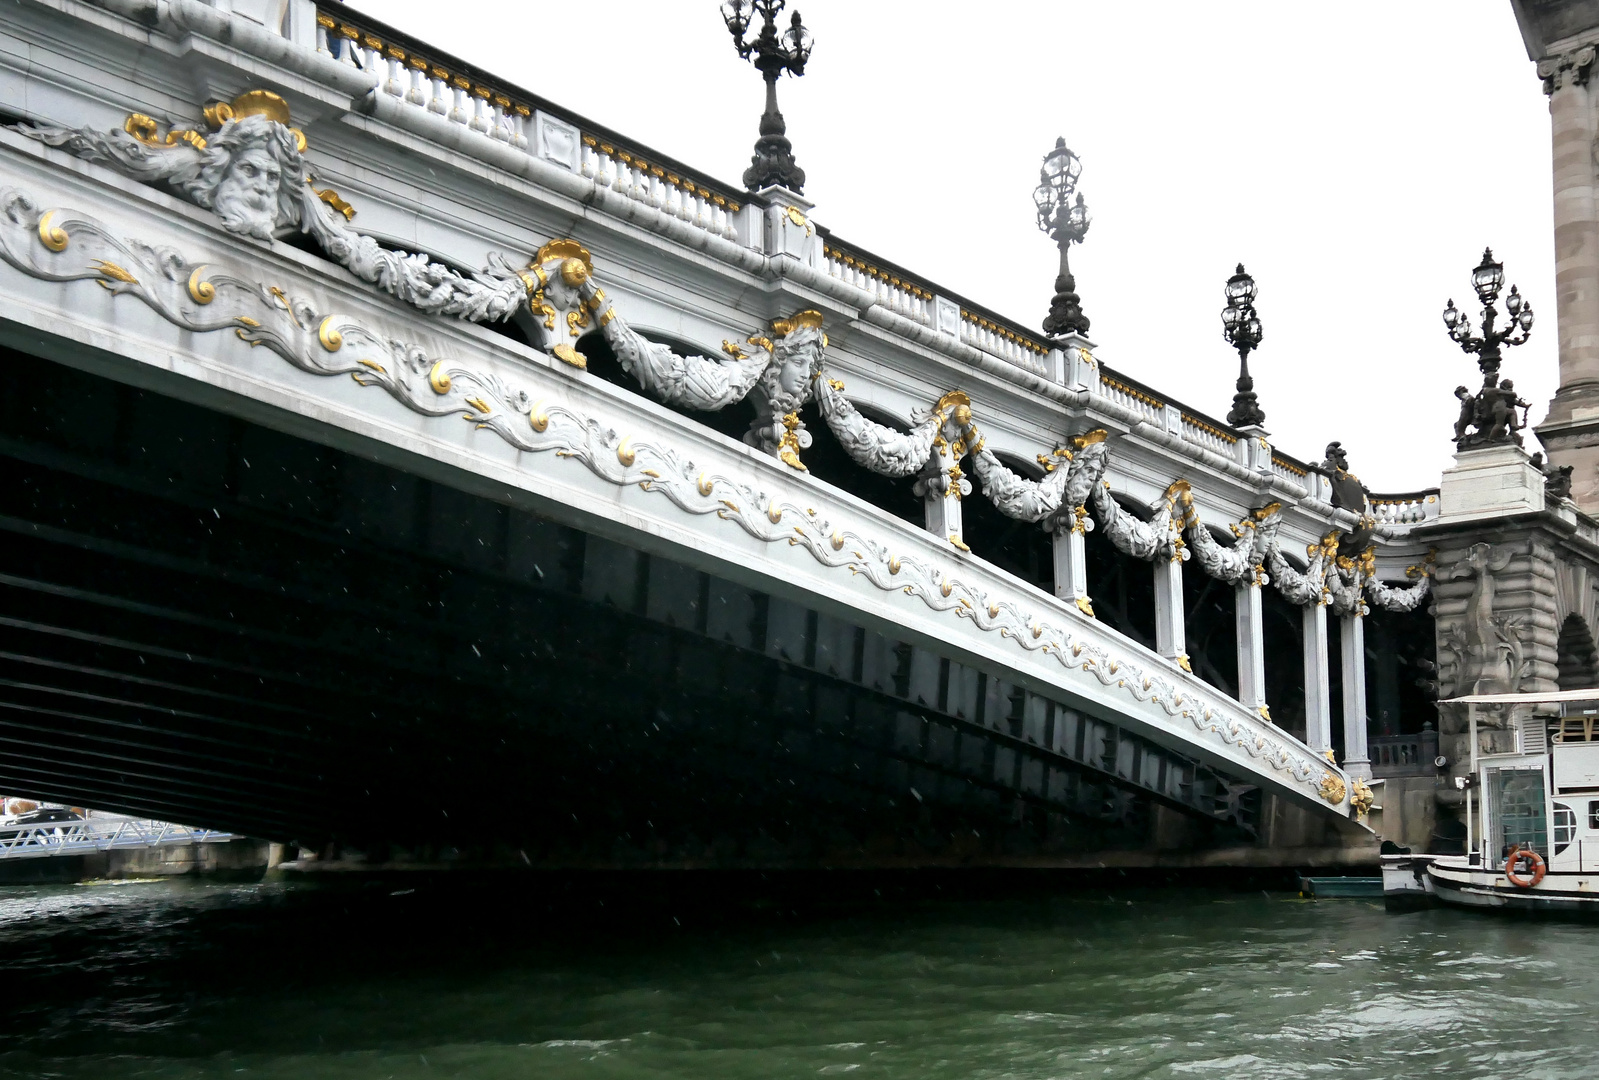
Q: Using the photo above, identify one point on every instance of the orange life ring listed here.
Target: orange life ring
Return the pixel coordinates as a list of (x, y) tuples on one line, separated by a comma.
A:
[(1534, 861)]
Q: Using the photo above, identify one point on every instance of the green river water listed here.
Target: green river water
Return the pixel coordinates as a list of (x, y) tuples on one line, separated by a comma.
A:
[(529, 978)]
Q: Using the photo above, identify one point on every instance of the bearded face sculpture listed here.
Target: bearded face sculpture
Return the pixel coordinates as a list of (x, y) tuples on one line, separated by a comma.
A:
[(251, 174), (249, 170)]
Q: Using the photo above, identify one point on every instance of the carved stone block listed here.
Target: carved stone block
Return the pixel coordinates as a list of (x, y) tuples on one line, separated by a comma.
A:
[(556, 141)]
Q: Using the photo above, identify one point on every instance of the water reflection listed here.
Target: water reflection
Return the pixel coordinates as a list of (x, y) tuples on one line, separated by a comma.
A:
[(538, 978)]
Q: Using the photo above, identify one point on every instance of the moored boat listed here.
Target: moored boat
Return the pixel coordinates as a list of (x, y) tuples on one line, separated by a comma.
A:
[(1531, 810), (1463, 882)]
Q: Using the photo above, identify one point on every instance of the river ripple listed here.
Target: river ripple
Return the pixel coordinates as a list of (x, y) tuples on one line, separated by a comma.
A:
[(527, 979)]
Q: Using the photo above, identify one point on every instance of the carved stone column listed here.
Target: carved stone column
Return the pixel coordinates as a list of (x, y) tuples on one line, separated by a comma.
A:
[(1251, 648), (941, 483), (1071, 576), (1352, 651), (1570, 432), (942, 500), (1318, 686), (1170, 633)]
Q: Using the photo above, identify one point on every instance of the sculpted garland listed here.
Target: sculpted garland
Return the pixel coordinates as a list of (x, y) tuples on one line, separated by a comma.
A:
[(249, 169), (62, 245)]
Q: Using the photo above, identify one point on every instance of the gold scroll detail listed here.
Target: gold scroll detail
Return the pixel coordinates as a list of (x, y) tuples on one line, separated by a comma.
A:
[(201, 292), (330, 338), (51, 236)]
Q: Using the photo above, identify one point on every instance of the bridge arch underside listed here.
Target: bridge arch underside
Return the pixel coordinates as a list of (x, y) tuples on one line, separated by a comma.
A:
[(209, 621)]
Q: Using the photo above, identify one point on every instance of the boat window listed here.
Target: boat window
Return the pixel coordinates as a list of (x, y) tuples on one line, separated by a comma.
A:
[(1565, 826), (1593, 814), (1516, 797)]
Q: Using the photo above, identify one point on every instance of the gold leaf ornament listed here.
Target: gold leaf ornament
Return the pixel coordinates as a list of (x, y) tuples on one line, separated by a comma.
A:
[(51, 236), (113, 271), (329, 336), (200, 291)]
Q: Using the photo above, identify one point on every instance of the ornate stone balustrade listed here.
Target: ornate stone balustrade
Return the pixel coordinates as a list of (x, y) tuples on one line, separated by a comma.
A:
[(1132, 398), (999, 340), (1208, 434), (1409, 509), (424, 79), (891, 289)]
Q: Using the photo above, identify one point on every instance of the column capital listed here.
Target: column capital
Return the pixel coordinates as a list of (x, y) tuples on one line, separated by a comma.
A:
[(1575, 65)]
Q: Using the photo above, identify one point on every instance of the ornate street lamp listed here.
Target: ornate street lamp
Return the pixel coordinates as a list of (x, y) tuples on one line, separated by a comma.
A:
[(1066, 222), (1492, 410), (1241, 328), (774, 52), (1487, 280)]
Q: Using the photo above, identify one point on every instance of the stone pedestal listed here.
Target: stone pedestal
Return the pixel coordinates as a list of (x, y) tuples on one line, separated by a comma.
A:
[(1489, 482)]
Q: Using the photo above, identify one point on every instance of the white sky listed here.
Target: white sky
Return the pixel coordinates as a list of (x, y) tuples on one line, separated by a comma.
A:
[(1355, 156)]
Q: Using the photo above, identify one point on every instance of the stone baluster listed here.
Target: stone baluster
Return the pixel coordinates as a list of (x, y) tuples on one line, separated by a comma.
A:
[(500, 118), (461, 113), (605, 166), (323, 26), (480, 111), (1251, 648), (1170, 632), (349, 43), (1352, 651), (417, 95), (1318, 686), (397, 78), (440, 101), (519, 126)]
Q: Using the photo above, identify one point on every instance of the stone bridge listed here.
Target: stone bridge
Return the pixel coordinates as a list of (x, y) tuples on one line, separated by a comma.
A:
[(393, 456)]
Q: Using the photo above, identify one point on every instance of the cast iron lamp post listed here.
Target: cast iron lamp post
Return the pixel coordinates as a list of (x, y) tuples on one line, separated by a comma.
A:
[(1491, 411), (1241, 328), (1066, 222), (1487, 279), (774, 52)]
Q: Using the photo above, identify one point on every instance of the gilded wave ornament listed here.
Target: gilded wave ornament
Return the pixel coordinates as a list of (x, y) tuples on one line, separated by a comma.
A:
[(64, 246)]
